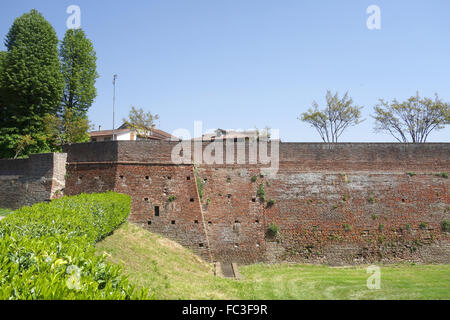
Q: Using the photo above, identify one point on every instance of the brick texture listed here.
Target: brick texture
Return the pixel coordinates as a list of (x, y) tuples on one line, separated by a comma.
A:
[(39, 178), (338, 204)]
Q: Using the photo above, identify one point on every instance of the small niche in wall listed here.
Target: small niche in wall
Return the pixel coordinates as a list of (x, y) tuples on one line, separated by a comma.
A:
[(188, 178), (256, 221), (236, 245), (228, 196), (121, 177), (200, 245), (209, 223), (253, 199), (147, 178), (169, 178), (172, 222), (146, 199), (149, 222), (192, 200), (156, 211), (196, 221)]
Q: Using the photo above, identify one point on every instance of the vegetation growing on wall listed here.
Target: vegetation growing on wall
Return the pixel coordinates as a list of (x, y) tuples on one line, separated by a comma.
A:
[(48, 250), (261, 193), (443, 175), (273, 229), (445, 226), (199, 182)]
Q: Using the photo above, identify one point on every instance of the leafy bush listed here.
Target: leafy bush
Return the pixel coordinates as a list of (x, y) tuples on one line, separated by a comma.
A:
[(261, 192), (254, 178), (443, 175), (171, 198), (423, 225), (347, 227), (48, 250), (445, 226), (271, 202), (273, 229)]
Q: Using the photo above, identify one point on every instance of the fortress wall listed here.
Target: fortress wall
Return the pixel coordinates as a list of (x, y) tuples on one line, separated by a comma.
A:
[(337, 204), (150, 187), (366, 156), (306, 156), (380, 216), (235, 217), (90, 177), (28, 181), (166, 201)]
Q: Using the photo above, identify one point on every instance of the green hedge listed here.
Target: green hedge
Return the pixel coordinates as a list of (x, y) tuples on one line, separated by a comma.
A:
[(47, 250)]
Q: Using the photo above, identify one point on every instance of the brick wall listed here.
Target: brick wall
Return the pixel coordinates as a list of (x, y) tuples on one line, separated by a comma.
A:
[(338, 204), (39, 178)]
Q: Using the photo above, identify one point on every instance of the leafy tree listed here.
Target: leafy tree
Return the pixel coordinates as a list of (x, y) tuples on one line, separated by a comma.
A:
[(79, 69), (68, 129), (31, 83), (22, 143), (141, 121), (412, 120), (338, 115)]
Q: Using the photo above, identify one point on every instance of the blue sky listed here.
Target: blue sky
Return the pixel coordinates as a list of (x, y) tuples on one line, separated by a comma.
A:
[(237, 64)]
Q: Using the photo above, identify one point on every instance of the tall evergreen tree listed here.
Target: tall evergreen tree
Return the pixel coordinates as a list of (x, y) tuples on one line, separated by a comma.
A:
[(2, 105), (79, 68), (32, 83)]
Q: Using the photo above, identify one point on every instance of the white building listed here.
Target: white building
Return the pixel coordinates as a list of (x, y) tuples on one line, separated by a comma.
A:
[(123, 133)]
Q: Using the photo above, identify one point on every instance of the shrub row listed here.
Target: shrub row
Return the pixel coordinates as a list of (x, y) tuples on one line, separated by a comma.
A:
[(47, 250)]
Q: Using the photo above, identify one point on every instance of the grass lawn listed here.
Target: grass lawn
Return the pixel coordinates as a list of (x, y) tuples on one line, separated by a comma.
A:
[(173, 272), (5, 212)]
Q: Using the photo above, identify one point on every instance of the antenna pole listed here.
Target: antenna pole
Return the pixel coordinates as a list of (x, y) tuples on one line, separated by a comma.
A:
[(114, 103)]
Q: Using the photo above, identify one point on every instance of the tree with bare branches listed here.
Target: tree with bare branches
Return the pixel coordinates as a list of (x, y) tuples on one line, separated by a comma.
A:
[(338, 115), (142, 122), (412, 120)]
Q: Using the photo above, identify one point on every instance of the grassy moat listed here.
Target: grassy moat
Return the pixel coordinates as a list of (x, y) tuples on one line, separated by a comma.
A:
[(173, 272)]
